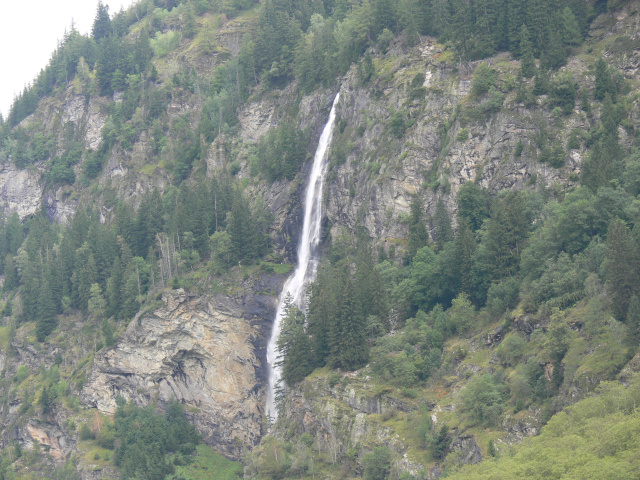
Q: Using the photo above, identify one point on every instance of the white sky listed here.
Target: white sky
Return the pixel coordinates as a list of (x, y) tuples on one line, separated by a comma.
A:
[(29, 33)]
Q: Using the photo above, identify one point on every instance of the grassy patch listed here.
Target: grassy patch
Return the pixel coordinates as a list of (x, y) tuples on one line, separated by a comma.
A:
[(279, 268), (4, 337), (207, 464)]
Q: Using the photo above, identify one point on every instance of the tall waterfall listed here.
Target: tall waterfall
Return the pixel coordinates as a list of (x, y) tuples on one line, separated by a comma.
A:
[(307, 267)]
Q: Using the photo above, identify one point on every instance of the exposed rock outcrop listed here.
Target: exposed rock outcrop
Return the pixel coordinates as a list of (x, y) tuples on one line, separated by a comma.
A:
[(202, 351)]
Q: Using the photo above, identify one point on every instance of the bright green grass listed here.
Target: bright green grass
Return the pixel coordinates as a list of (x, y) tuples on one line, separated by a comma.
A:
[(207, 465)]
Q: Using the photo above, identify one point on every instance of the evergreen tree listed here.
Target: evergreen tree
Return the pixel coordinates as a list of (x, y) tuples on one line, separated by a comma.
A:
[(320, 313), (441, 224), (527, 59), (418, 235), (507, 232), (465, 246), (102, 23), (114, 287), (46, 312), (571, 34), (622, 267), (350, 348), (384, 15), (541, 82), (603, 81), (554, 55), (633, 316), (473, 205), (294, 345), (606, 159), (84, 275)]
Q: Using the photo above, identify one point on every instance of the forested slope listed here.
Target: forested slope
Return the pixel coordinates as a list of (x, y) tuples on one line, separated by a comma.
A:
[(480, 270)]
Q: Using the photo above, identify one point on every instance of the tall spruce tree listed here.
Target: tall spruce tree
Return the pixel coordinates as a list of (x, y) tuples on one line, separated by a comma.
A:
[(418, 235), (527, 59), (441, 224), (46, 312), (622, 267)]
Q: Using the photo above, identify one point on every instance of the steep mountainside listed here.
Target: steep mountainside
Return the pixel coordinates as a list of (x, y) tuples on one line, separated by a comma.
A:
[(479, 282)]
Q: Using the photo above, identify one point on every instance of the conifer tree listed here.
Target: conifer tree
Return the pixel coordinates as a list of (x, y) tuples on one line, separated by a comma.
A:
[(102, 23), (622, 267), (46, 312), (606, 159), (554, 54), (473, 205), (527, 59), (320, 313), (418, 235), (294, 345), (441, 224), (633, 317), (465, 246), (571, 34), (603, 80), (350, 349)]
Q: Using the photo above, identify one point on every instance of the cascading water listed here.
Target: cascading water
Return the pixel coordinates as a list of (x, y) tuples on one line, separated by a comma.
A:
[(306, 270)]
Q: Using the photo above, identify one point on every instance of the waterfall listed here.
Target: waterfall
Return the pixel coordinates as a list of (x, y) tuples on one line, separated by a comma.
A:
[(307, 267)]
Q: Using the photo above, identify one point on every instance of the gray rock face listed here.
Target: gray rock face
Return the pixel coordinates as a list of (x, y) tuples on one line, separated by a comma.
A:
[(200, 351)]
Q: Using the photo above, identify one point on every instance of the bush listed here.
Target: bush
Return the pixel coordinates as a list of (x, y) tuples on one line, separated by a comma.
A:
[(399, 124), (482, 400), (483, 79), (86, 433), (377, 464)]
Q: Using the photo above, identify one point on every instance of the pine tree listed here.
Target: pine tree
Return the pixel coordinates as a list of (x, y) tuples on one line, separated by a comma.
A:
[(473, 205), (101, 23), (97, 303), (418, 235), (350, 348), (633, 317), (465, 246), (84, 275), (507, 232), (294, 345), (603, 81), (527, 59), (114, 287), (441, 224), (622, 268), (554, 54), (571, 34), (541, 82), (46, 312), (606, 159), (320, 314)]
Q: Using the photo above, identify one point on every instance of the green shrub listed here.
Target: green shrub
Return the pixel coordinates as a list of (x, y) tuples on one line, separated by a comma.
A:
[(463, 135), (377, 464), (482, 400), (483, 79)]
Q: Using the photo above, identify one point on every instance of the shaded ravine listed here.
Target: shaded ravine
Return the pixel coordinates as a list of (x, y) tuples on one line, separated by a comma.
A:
[(307, 267)]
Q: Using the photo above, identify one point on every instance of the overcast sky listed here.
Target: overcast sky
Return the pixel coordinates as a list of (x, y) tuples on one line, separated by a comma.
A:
[(29, 33)]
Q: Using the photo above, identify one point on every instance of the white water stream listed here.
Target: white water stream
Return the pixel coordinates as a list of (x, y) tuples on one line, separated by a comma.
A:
[(306, 270)]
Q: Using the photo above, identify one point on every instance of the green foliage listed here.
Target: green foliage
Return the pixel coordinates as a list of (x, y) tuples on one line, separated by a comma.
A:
[(206, 463), (483, 79), (377, 464), (294, 345), (144, 437), (282, 152), (399, 124), (596, 437), (482, 400), (563, 92)]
